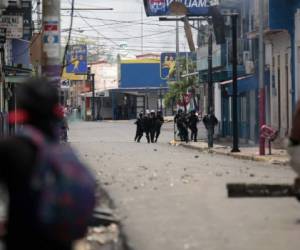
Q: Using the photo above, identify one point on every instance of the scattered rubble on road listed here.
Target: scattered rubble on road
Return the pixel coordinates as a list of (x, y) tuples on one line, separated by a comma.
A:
[(105, 232)]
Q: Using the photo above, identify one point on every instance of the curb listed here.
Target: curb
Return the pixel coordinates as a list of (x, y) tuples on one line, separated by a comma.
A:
[(233, 155)]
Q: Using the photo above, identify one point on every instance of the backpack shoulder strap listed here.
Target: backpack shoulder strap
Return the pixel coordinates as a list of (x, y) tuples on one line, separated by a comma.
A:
[(33, 135)]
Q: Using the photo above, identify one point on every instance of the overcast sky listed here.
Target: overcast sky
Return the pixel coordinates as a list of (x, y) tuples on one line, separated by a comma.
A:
[(123, 25)]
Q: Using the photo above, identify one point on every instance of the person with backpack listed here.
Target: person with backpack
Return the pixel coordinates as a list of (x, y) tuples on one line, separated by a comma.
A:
[(51, 193)]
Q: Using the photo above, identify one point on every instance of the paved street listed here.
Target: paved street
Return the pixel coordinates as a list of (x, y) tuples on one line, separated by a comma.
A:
[(174, 198)]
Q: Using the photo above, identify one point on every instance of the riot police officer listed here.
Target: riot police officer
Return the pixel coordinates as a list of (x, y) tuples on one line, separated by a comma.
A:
[(152, 125), (139, 128), (182, 125), (193, 121), (158, 123), (147, 125)]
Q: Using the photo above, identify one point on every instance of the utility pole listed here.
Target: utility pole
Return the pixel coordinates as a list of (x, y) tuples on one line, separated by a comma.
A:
[(210, 106), (51, 63), (177, 51), (261, 77), (235, 126), (93, 95)]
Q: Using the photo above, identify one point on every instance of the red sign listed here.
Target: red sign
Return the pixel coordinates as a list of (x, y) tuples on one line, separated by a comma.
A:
[(51, 27)]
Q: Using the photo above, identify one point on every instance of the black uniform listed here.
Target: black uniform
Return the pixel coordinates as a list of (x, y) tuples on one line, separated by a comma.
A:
[(147, 126), (182, 126), (210, 121), (193, 121), (159, 122), (152, 126), (139, 128)]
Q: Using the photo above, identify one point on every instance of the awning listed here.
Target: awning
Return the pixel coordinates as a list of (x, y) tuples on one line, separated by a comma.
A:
[(239, 79), (267, 32), (98, 93), (246, 83)]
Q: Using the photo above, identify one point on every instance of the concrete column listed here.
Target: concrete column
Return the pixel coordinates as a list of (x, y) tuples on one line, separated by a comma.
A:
[(297, 55), (51, 40)]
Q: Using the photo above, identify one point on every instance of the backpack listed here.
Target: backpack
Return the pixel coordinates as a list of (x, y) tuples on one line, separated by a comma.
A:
[(64, 188)]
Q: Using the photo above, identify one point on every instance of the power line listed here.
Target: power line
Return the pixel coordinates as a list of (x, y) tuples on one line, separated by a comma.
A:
[(103, 36)]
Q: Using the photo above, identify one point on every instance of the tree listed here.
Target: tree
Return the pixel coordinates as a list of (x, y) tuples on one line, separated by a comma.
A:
[(179, 89)]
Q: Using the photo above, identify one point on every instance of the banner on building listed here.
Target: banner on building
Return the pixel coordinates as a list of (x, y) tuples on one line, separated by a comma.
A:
[(76, 63), (25, 11), (168, 63), (13, 26), (162, 7)]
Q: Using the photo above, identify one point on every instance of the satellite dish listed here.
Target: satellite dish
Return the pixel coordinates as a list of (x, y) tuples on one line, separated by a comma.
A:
[(178, 9)]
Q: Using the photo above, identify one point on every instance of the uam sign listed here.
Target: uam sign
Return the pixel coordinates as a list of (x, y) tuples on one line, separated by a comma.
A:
[(162, 7), (13, 26)]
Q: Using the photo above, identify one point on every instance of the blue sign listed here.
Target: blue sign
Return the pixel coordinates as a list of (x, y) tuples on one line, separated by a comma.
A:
[(162, 7), (51, 39), (76, 60), (168, 64)]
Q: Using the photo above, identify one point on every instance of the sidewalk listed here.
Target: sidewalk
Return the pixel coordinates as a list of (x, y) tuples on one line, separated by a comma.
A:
[(278, 157)]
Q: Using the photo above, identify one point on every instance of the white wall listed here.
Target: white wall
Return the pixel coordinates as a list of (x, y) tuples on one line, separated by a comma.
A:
[(281, 45), (106, 75)]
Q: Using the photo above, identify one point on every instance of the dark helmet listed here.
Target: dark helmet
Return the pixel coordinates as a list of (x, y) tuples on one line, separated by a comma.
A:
[(39, 99), (193, 111), (180, 111)]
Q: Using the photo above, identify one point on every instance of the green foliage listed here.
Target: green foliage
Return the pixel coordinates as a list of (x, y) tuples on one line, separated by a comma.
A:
[(178, 89)]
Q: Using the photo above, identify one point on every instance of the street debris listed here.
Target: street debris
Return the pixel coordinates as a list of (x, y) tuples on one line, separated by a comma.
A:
[(104, 228), (143, 167), (103, 235), (239, 190), (218, 174)]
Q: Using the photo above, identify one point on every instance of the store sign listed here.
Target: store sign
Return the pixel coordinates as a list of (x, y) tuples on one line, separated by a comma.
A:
[(77, 59), (13, 26), (51, 37), (168, 63), (76, 63), (25, 10), (162, 7)]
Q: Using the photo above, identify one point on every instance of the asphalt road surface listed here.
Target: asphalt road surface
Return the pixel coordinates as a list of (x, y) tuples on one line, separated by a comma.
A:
[(174, 198)]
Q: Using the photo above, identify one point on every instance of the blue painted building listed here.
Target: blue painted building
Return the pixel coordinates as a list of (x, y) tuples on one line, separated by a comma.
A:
[(140, 88)]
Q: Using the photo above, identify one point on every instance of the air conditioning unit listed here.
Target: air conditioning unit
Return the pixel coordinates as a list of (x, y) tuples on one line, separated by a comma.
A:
[(249, 67)]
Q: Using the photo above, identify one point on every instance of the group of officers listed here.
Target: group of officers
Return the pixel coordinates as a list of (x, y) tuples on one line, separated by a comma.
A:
[(185, 121), (150, 124)]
